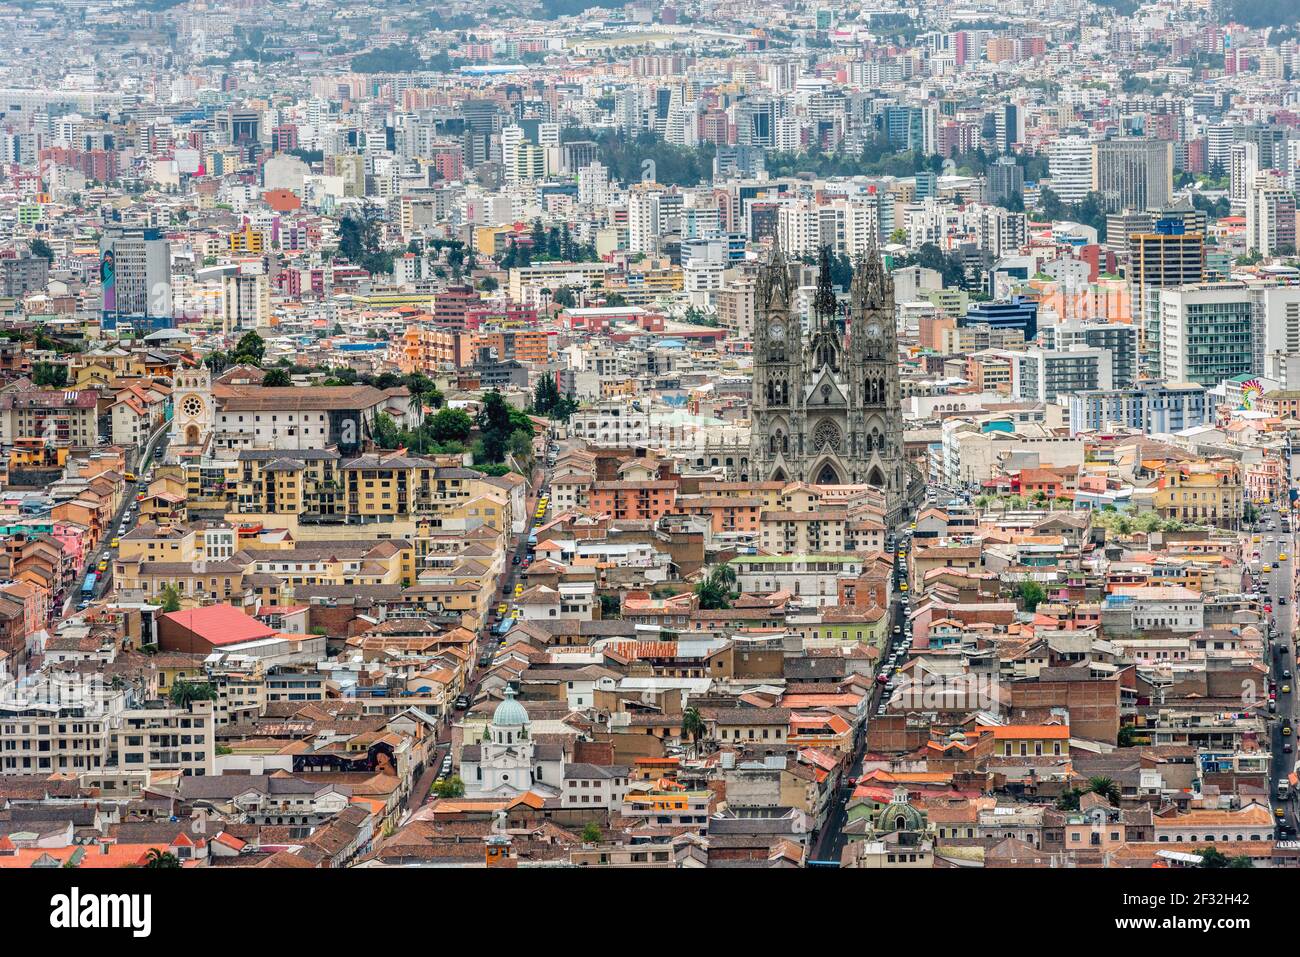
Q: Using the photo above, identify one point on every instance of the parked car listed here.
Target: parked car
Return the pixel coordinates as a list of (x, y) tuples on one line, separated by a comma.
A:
[(462, 702)]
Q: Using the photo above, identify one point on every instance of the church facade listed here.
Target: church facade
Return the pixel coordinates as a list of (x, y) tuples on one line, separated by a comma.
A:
[(825, 407)]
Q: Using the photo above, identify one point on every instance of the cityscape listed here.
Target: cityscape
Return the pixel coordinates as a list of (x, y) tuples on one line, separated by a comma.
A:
[(586, 434)]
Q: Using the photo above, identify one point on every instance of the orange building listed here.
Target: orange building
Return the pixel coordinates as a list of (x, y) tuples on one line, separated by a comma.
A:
[(725, 514), (633, 500)]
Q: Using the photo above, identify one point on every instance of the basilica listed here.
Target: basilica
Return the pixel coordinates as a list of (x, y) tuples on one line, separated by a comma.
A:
[(825, 405)]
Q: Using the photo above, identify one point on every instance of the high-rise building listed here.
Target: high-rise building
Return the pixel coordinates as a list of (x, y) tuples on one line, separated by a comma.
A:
[(1243, 167), (1133, 173), (1009, 123), (1206, 333), (1120, 339), (246, 302), (1046, 375), (1070, 161), (1169, 256), (593, 185), (1153, 408), (644, 219), (1006, 179), (135, 274), (1270, 216), (1276, 315)]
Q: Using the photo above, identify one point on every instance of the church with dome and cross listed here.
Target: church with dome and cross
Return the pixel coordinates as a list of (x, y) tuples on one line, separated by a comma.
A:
[(509, 761), (825, 406)]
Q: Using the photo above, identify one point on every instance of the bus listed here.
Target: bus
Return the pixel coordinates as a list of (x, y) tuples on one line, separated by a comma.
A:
[(88, 586)]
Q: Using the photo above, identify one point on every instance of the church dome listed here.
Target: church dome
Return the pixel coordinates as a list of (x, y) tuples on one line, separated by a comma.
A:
[(510, 713)]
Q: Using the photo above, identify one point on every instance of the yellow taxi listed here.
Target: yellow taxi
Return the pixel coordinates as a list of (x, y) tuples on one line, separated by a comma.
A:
[(502, 608), (1282, 557), (1255, 539), (519, 589), (103, 566), (114, 543), (1265, 568), (1279, 811), (903, 587)]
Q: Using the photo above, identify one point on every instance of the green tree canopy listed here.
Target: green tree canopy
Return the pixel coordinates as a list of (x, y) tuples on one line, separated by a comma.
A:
[(251, 349), (451, 425)]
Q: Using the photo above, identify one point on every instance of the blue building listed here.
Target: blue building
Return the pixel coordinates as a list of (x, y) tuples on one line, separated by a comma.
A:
[(1151, 409), (904, 127), (1017, 313)]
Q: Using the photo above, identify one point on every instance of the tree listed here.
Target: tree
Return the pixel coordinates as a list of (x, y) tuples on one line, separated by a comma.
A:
[(385, 433), (545, 396), (359, 241), (183, 692), (171, 599), (1106, 787), (161, 860), (693, 726), (40, 247), (521, 446), (494, 425), (1031, 593), (450, 425), (591, 833), (718, 590), (250, 349), (452, 787), (1069, 800), (51, 375), (277, 379), (1212, 858), (398, 58)]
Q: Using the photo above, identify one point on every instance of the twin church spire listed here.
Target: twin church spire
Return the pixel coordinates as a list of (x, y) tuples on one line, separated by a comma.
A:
[(826, 403)]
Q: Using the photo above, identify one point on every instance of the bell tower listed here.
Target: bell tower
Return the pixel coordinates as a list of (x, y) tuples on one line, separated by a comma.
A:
[(192, 411)]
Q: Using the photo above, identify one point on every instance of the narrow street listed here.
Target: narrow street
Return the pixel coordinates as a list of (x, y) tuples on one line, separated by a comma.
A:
[(830, 843), (1279, 583)]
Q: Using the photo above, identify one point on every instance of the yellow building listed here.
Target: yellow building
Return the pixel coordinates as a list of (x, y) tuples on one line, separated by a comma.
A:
[(1204, 493), (248, 241), (267, 571)]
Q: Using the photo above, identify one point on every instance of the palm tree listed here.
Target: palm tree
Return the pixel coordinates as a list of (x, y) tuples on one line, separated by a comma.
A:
[(693, 726), (415, 406), (161, 859), (1107, 788)]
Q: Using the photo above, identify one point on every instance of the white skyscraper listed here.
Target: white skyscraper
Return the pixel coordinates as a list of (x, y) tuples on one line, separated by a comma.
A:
[(593, 185), (1243, 165), (1070, 164)]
